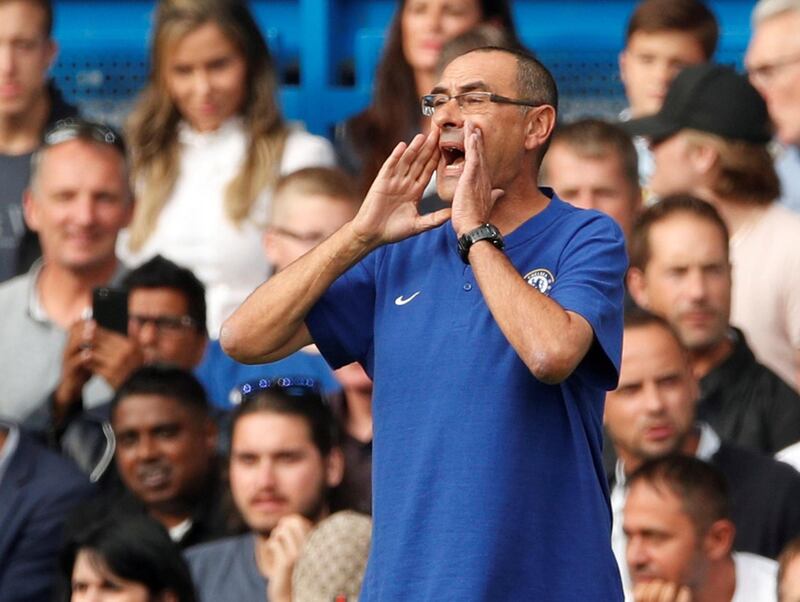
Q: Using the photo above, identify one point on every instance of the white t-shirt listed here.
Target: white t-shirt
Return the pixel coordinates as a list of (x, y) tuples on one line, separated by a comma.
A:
[(756, 578), (193, 229), (765, 299)]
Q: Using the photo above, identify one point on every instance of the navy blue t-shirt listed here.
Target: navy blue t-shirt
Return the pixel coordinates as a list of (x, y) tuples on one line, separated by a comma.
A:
[(487, 484)]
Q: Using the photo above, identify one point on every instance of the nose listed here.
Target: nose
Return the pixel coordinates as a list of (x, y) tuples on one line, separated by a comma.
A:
[(696, 285), (146, 448), (654, 402), (146, 333), (202, 83), (266, 475), (636, 553), (448, 115), (6, 59), (85, 210)]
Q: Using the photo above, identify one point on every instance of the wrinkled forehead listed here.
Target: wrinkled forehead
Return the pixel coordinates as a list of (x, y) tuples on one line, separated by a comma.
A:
[(492, 71)]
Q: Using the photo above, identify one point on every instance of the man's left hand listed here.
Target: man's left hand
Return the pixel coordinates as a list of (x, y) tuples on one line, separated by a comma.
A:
[(114, 356), (474, 197)]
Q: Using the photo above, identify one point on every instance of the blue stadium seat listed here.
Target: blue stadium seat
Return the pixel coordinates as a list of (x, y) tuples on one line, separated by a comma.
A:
[(319, 45)]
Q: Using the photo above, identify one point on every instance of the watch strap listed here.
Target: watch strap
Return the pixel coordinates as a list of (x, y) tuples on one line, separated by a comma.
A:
[(483, 232)]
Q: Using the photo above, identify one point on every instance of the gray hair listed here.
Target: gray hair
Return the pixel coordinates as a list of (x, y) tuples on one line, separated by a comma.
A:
[(38, 156), (766, 9)]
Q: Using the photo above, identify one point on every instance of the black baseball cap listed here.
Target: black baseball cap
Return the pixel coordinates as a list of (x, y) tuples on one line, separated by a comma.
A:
[(709, 98)]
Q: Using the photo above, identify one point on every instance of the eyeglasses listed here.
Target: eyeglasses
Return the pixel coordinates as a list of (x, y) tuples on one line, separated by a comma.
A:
[(163, 324), (73, 128), (294, 386), (764, 73), (470, 103)]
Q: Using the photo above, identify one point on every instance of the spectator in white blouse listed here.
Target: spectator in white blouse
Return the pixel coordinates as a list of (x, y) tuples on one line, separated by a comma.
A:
[(208, 143)]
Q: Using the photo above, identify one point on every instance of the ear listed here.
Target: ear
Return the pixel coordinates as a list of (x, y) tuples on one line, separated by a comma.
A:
[(622, 59), (334, 467), (52, 52), (30, 210), (718, 540), (703, 157), (539, 124), (637, 287)]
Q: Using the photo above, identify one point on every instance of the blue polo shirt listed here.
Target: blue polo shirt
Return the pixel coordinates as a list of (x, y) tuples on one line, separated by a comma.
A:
[(487, 484)]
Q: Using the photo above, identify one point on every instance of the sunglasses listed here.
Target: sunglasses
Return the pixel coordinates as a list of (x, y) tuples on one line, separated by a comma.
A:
[(74, 128), (294, 386)]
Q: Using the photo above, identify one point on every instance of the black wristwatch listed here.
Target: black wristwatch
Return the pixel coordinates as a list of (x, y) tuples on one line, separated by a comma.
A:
[(484, 232)]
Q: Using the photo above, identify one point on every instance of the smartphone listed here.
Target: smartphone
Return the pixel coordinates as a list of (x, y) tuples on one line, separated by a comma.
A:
[(110, 308)]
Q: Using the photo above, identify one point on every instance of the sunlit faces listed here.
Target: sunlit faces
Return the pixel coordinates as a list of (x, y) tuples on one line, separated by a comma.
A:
[(93, 581), (773, 62), (650, 62), (502, 126), (164, 448), (662, 540), (276, 470), (300, 222), (426, 26), (79, 202), (206, 76), (593, 183), (652, 410), (789, 587), (687, 279), (25, 56), (180, 344)]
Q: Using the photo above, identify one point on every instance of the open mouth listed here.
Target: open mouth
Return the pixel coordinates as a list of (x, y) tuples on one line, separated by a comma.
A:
[(453, 154)]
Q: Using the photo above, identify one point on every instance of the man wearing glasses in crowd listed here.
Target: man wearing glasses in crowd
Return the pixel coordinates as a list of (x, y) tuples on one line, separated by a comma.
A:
[(773, 64), (166, 325), (491, 339), (79, 199)]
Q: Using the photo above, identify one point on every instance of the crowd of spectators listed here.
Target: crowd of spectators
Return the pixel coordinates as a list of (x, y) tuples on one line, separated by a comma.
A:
[(141, 461)]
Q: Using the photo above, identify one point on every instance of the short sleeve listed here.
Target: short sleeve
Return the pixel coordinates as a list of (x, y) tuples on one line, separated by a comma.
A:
[(342, 321), (590, 283)]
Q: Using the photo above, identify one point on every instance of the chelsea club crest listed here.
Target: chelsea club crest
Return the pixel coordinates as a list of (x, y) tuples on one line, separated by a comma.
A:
[(541, 279)]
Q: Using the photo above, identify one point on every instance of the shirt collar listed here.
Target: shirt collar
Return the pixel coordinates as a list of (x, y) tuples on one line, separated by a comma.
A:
[(35, 308), (9, 447)]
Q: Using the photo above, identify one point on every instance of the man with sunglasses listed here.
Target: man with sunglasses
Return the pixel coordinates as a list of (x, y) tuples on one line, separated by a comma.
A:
[(491, 340), (79, 199), (285, 459)]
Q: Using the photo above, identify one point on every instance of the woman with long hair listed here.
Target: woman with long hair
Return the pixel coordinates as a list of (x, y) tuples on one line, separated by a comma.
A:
[(407, 71), (123, 559), (207, 144)]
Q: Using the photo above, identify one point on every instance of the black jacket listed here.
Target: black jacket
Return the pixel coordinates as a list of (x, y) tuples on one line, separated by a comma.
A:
[(748, 404)]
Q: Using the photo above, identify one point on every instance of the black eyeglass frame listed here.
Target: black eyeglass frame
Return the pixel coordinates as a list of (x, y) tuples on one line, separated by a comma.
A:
[(428, 109)]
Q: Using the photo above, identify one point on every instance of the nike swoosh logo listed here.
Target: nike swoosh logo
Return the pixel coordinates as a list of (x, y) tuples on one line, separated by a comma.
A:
[(401, 301)]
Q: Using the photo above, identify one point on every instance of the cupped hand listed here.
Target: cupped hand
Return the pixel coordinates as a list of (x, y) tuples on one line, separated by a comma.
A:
[(474, 197), (390, 210)]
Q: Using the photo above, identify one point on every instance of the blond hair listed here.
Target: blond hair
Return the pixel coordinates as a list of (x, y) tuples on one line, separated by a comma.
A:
[(745, 170), (153, 125)]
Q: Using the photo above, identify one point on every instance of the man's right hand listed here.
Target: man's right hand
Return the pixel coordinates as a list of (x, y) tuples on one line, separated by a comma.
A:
[(390, 210), (75, 371), (661, 591)]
